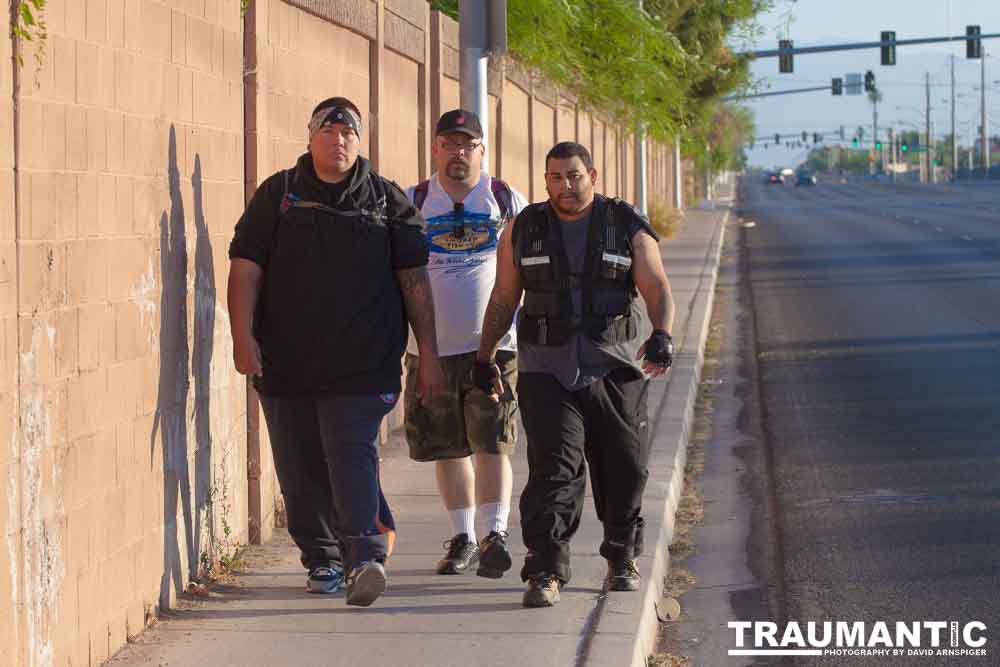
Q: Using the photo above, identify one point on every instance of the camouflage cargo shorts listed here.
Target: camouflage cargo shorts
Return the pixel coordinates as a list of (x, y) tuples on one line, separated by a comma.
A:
[(461, 419)]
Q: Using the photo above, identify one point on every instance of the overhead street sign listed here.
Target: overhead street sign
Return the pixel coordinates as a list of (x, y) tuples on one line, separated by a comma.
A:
[(852, 83)]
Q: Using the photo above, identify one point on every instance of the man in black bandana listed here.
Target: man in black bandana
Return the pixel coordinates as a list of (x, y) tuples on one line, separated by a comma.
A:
[(328, 266)]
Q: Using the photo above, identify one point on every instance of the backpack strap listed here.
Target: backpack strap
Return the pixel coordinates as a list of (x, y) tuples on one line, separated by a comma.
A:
[(288, 177), (420, 194), (505, 199), (379, 197)]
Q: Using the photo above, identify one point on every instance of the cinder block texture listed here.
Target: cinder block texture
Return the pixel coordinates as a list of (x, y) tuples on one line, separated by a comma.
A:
[(138, 135), (128, 443)]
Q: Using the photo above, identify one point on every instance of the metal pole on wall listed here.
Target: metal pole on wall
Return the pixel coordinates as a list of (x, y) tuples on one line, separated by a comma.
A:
[(473, 60), (640, 159), (678, 176)]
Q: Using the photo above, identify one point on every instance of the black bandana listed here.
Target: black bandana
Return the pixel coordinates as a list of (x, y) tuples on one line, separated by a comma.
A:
[(333, 115)]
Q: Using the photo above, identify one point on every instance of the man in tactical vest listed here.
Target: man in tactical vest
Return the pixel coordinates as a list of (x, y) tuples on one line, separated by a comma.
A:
[(467, 211), (328, 264), (585, 353)]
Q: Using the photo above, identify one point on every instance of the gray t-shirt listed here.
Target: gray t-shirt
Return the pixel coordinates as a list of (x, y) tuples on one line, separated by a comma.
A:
[(580, 362)]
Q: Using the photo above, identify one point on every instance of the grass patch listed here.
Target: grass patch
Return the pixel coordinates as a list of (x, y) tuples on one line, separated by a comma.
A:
[(664, 218)]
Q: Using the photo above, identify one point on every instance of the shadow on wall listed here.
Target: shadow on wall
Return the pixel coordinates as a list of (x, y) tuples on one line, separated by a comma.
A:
[(174, 382)]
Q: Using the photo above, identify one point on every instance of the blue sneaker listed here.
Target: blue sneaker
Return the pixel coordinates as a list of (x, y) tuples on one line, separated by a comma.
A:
[(325, 579), (365, 583)]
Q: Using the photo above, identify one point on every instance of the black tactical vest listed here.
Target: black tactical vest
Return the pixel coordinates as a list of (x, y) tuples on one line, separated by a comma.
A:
[(547, 316)]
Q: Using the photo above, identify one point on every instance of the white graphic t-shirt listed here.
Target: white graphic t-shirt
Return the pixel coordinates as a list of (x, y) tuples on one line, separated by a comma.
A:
[(463, 263)]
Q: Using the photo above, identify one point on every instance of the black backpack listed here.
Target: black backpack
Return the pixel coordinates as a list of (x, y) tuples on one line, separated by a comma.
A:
[(376, 187), (501, 192)]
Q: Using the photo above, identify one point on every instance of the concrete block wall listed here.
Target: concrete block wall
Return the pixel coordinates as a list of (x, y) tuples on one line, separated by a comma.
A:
[(133, 448), (125, 450)]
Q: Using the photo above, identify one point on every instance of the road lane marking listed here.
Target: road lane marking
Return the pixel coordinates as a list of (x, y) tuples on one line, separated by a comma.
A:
[(938, 229), (966, 238)]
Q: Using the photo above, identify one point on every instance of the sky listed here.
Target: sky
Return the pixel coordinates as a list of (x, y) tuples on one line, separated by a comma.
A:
[(815, 22)]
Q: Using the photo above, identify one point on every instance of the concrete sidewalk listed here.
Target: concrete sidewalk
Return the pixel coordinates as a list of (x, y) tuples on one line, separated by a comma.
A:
[(266, 618)]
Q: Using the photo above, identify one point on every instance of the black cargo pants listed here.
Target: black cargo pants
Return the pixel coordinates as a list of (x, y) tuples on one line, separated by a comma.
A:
[(603, 426)]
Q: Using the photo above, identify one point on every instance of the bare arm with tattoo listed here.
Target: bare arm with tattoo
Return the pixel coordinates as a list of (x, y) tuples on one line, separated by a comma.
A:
[(415, 286), (504, 299)]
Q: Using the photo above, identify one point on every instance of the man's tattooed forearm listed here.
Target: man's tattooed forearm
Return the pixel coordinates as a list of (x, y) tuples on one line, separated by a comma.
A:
[(496, 322), (416, 288)]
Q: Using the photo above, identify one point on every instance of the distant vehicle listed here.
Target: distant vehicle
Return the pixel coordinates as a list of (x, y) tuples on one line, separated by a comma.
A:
[(787, 171), (805, 178), (774, 177)]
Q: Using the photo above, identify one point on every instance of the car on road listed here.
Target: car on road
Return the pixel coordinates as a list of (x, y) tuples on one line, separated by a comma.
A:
[(774, 177), (805, 178)]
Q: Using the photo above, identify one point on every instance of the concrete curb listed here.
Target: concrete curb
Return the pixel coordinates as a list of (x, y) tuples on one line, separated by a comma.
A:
[(626, 626)]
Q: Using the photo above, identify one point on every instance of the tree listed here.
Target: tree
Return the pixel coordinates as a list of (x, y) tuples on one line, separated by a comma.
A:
[(664, 67)]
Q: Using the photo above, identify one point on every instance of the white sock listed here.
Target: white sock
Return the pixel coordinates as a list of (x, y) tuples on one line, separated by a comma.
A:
[(494, 516), (463, 520)]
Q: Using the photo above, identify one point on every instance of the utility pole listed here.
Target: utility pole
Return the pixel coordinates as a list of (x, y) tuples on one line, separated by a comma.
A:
[(929, 159), (984, 132), (482, 30), (954, 137), (879, 162), (892, 153), (640, 157)]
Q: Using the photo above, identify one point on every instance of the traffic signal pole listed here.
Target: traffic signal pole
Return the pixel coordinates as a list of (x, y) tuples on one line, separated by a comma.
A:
[(854, 46), (984, 132), (878, 162), (792, 91), (954, 137)]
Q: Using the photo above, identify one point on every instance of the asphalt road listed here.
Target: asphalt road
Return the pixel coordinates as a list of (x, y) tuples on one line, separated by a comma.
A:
[(876, 311)]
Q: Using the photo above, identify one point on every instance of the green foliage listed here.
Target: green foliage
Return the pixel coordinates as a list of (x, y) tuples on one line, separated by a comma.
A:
[(28, 25), (664, 67)]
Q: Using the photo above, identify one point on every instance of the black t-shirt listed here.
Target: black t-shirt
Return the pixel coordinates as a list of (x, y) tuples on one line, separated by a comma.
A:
[(330, 316)]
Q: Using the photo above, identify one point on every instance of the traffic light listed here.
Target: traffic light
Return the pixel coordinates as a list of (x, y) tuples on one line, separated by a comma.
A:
[(837, 86), (854, 142), (878, 145), (888, 52), (805, 136), (904, 147), (815, 137), (841, 132), (869, 81), (973, 47), (785, 64), (777, 138)]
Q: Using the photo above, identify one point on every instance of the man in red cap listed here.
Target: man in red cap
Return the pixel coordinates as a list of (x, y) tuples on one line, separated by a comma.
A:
[(467, 212)]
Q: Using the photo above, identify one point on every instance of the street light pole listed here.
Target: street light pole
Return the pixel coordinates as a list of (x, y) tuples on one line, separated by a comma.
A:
[(473, 48)]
